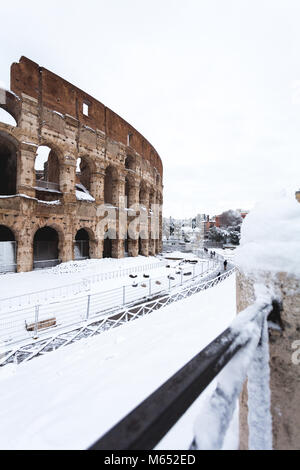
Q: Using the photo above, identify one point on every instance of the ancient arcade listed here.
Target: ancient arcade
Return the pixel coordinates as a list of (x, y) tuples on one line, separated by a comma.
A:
[(93, 159)]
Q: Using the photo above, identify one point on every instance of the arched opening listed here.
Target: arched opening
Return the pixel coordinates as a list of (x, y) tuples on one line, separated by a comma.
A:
[(7, 250), (107, 248), (83, 173), (110, 176), (82, 245), (45, 248), (7, 118), (47, 170), (130, 163), (8, 165)]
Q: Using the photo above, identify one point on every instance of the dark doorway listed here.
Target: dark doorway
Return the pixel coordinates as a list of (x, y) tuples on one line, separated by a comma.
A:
[(82, 242), (7, 250), (126, 245), (107, 248), (8, 167), (45, 248)]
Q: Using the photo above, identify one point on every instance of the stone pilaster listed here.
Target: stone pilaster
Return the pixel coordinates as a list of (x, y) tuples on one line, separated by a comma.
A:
[(67, 180), (25, 169), (97, 186)]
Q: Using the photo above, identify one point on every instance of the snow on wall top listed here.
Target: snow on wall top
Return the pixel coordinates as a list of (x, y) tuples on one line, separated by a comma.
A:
[(270, 237)]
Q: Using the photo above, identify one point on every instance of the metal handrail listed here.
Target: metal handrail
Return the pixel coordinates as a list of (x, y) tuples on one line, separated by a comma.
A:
[(149, 422)]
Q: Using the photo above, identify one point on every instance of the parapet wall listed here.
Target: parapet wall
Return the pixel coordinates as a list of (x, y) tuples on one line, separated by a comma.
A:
[(284, 365)]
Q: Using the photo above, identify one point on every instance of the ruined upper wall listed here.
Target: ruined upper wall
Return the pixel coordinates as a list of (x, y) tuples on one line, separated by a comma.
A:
[(59, 95)]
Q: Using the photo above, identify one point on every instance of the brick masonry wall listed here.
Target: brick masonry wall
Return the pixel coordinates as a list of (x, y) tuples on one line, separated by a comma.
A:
[(48, 111)]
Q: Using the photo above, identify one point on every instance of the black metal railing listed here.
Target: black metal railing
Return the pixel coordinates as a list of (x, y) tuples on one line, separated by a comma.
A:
[(148, 423)]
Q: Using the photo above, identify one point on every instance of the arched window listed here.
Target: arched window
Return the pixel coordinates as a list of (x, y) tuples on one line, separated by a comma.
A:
[(130, 163), (83, 173), (47, 171), (8, 165), (82, 245), (7, 250), (45, 248)]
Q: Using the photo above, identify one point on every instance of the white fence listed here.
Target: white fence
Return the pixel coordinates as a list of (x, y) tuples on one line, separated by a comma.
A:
[(10, 304), (97, 324), (37, 320)]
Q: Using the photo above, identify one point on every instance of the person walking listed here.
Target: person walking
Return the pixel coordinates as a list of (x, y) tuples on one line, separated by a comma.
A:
[(225, 264)]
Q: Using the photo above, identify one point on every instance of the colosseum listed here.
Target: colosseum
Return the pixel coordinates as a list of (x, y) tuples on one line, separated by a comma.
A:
[(95, 164)]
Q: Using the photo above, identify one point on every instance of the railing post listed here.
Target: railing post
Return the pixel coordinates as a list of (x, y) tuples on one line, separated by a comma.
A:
[(169, 283), (149, 286), (124, 292), (88, 307), (36, 320), (193, 271), (181, 276)]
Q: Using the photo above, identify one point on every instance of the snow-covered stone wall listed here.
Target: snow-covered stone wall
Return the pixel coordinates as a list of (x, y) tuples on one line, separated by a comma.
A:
[(268, 260)]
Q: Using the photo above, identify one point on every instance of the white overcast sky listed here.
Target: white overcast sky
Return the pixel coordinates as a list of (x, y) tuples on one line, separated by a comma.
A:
[(214, 85)]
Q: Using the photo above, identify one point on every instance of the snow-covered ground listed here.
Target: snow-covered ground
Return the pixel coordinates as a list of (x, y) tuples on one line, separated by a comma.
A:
[(69, 398), (81, 300), (16, 284)]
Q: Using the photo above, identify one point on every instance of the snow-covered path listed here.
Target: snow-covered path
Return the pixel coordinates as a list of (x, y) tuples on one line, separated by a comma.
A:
[(69, 398)]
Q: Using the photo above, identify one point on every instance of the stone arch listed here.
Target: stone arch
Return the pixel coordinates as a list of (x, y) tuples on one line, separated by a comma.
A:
[(8, 249), (89, 249), (47, 246), (110, 184), (11, 106), (9, 151), (130, 163)]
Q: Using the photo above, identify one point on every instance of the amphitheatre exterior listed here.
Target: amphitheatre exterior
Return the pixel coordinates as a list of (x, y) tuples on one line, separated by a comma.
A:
[(100, 191)]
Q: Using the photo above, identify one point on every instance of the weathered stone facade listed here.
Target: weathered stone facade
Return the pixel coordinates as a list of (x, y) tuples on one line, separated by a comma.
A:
[(284, 372), (115, 161)]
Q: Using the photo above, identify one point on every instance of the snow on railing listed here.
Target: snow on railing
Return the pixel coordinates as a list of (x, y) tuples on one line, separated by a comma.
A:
[(242, 348)]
